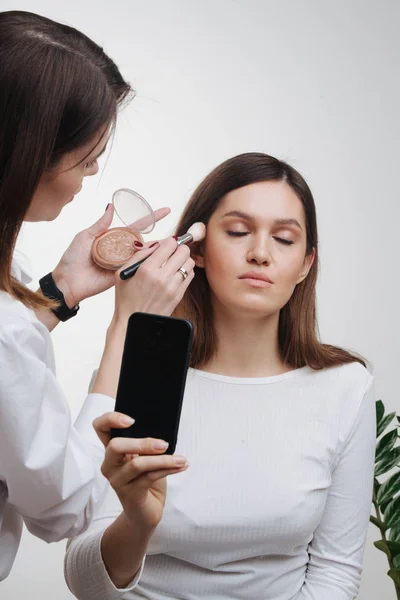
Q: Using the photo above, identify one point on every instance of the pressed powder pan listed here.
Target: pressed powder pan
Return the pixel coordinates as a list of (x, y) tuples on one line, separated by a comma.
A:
[(114, 248)]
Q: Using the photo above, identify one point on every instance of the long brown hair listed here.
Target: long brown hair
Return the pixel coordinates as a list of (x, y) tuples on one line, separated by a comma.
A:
[(58, 89), (298, 336)]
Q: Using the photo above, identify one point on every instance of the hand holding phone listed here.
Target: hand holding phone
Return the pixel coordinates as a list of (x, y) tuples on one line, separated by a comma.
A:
[(153, 376)]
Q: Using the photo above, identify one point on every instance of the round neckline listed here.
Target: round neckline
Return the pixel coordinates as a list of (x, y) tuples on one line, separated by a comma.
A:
[(249, 380)]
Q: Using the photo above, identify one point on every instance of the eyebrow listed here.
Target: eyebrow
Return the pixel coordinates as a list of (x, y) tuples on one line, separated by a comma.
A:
[(246, 217)]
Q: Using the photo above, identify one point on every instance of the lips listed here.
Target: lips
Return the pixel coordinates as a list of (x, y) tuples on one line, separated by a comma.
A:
[(252, 275)]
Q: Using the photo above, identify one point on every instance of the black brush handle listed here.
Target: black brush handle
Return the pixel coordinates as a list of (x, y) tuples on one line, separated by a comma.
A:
[(130, 271)]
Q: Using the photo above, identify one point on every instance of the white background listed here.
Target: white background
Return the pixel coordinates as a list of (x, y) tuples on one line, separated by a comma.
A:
[(313, 82)]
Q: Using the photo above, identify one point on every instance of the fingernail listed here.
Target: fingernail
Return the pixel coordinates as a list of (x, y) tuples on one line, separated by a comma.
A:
[(107, 207), (126, 421), (160, 445), (137, 244), (180, 461), (155, 244)]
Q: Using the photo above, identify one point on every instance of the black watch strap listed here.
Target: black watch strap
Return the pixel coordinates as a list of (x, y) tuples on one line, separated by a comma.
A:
[(50, 290)]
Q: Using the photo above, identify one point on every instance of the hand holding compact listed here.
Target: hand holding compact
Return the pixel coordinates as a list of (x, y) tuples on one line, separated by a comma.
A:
[(77, 275)]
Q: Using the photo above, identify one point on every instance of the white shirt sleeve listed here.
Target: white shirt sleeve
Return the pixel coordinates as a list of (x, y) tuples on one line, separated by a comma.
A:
[(337, 548), (84, 569), (53, 479)]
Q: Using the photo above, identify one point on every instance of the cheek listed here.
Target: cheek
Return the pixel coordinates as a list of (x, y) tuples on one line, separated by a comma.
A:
[(67, 184), (73, 183), (289, 269), (218, 258), (219, 266)]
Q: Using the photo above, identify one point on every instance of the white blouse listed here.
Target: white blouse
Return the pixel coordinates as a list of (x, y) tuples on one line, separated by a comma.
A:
[(275, 503), (49, 472)]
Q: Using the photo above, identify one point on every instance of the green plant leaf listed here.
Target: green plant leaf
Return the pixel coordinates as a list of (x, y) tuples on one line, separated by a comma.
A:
[(384, 506), (390, 461), (382, 545), (385, 444), (388, 489), (395, 575), (392, 513), (396, 561), (394, 533), (392, 549), (380, 411), (384, 423), (376, 489), (377, 523)]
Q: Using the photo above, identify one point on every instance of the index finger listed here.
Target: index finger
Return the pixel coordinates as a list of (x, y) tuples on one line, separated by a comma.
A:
[(118, 448), (144, 222), (162, 254)]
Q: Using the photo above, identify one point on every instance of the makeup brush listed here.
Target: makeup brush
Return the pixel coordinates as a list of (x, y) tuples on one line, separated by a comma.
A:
[(195, 233)]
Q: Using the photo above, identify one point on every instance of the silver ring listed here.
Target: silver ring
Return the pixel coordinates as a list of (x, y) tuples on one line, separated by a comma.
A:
[(183, 272)]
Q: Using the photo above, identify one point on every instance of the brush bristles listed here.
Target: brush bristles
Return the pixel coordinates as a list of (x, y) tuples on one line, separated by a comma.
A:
[(197, 231)]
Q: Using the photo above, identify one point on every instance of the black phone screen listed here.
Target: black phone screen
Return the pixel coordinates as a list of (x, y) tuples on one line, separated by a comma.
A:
[(153, 376)]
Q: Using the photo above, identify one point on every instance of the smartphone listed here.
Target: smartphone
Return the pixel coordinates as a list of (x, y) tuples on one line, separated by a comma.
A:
[(153, 376)]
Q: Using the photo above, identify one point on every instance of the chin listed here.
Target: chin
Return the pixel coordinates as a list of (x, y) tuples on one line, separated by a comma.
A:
[(255, 309), (53, 216)]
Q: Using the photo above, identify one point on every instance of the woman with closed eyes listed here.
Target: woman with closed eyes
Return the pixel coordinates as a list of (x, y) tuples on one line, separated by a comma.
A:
[(277, 427)]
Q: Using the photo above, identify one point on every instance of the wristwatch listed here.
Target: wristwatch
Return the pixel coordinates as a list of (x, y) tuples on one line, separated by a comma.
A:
[(50, 290)]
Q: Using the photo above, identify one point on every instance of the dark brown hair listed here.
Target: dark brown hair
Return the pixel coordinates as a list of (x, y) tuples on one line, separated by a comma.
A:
[(58, 90), (298, 336)]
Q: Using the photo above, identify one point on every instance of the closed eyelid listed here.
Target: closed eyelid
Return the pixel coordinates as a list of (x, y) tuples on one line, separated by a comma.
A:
[(91, 163), (235, 222), (289, 228), (278, 225), (288, 225), (285, 231), (241, 227)]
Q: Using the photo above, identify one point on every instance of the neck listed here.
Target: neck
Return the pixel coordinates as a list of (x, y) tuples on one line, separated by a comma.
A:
[(247, 346)]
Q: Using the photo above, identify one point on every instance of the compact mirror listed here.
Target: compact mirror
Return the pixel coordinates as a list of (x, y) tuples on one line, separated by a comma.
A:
[(133, 210)]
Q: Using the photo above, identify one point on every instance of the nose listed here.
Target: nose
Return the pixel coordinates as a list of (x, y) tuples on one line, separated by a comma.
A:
[(259, 252)]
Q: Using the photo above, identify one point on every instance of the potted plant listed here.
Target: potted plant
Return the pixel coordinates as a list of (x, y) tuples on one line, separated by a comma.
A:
[(386, 495)]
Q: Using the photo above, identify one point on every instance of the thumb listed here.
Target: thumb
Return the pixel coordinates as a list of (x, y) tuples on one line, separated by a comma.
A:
[(103, 223), (110, 420)]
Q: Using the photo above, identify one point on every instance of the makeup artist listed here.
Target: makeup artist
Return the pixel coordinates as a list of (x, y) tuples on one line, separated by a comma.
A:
[(59, 94)]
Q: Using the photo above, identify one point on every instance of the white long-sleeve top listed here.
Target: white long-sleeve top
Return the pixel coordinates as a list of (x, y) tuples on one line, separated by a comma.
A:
[(275, 503), (49, 472)]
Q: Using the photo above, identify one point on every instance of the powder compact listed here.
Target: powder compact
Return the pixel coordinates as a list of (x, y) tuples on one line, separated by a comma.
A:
[(114, 248)]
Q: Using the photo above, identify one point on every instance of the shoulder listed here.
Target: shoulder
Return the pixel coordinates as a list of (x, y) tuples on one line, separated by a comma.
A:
[(345, 389), (348, 379), (13, 311), (350, 388), (19, 326)]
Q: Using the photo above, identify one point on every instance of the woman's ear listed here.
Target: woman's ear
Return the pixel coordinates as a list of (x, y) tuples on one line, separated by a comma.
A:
[(197, 253), (308, 263)]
